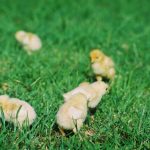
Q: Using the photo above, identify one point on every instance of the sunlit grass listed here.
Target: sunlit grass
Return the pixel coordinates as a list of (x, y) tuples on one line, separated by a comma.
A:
[(69, 30)]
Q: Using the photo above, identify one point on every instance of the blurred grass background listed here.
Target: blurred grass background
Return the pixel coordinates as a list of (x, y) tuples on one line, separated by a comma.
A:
[(69, 30)]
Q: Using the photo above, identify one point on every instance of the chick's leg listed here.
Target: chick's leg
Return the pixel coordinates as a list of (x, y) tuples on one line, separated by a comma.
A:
[(62, 131), (78, 126), (92, 118), (75, 130), (98, 78)]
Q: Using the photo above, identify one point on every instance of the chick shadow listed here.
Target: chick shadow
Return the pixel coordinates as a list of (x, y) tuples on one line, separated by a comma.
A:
[(92, 78), (9, 126), (6, 125), (56, 131), (106, 80), (92, 111)]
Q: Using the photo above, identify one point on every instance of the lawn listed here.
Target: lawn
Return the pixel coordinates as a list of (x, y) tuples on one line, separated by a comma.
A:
[(69, 30)]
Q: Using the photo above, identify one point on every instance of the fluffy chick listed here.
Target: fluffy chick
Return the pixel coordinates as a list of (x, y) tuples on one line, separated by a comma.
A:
[(102, 65), (93, 92), (72, 113), (101, 88), (18, 112), (31, 42), (79, 89)]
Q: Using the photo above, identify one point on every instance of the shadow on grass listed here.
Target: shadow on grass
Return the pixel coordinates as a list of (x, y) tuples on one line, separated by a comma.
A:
[(92, 78), (68, 133)]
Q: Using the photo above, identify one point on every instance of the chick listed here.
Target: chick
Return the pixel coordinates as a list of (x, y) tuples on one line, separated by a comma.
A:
[(72, 113), (18, 112), (101, 88), (31, 42), (93, 92), (103, 66), (79, 89)]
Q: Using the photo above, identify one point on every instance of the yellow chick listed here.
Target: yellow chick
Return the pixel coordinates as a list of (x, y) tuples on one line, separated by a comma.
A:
[(18, 112), (31, 42), (93, 92), (72, 113), (102, 65)]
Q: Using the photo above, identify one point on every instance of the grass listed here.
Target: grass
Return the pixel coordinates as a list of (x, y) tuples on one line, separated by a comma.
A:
[(69, 30)]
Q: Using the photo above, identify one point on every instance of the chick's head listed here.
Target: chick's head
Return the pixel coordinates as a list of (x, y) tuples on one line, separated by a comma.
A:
[(20, 35), (96, 56), (100, 87)]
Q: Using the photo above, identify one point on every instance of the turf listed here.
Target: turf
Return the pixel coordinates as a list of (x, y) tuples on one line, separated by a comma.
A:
[(69, 30)]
